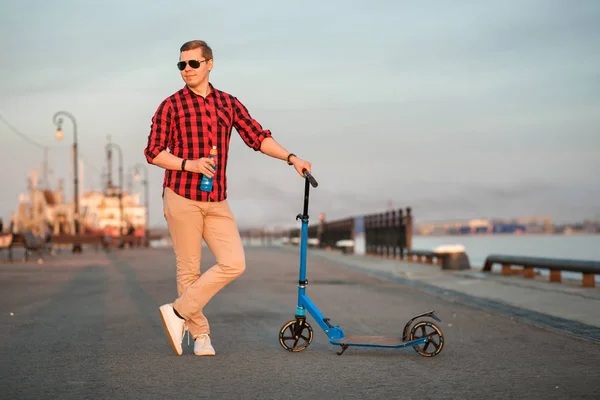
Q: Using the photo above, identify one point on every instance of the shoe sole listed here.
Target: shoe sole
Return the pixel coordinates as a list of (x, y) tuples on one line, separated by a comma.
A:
[(169, 336), (207, 354)]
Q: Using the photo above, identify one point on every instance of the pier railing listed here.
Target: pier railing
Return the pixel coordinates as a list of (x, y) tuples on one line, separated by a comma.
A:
[(387, 234), (331, 234)]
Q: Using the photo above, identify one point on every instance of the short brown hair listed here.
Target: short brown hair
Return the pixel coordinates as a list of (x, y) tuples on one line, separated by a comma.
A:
[(198, 44)]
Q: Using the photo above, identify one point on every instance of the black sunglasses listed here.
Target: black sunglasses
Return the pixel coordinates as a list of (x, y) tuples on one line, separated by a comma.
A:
[(193, 63)]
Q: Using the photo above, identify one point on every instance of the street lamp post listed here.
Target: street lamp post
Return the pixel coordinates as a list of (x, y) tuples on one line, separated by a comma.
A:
[(108, 147), (146, 198), (59, 135)]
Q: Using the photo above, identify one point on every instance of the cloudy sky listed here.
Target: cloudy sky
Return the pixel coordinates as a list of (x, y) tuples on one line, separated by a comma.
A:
[(459, 109)]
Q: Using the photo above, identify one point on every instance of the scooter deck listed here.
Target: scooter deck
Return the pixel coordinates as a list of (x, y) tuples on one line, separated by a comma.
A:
[(357, 340)]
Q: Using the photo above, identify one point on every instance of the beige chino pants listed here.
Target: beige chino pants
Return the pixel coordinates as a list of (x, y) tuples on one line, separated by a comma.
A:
[(189, 221)]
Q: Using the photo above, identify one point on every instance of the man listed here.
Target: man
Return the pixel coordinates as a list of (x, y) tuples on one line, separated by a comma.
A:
[(189, 123)]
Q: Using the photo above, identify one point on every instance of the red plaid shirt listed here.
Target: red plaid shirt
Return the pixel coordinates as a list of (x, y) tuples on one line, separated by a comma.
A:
[(189, 125)]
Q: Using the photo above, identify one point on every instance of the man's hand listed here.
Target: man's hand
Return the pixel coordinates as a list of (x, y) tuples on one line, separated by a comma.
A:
[(204, 166), (300, 164)]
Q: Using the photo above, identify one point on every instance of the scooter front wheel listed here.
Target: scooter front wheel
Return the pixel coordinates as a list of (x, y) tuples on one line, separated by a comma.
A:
[(295, 335), (434, 335)]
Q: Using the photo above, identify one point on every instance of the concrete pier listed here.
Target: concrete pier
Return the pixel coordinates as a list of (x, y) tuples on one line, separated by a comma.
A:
[(87, 326)]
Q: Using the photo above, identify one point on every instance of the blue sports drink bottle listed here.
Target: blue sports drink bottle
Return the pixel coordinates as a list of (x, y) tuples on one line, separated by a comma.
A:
[(207, 183)]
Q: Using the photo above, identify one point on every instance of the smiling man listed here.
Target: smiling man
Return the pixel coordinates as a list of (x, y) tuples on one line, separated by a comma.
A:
[(185, 127)]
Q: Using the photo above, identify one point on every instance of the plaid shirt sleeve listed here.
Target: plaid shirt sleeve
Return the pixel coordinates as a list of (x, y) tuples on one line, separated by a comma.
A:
[(249, 129), (160, 131)]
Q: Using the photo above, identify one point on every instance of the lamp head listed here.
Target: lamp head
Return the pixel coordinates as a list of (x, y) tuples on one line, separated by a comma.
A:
[(59, 132)]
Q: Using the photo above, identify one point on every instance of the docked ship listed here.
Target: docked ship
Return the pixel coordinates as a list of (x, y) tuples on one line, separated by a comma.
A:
[(43, 210)]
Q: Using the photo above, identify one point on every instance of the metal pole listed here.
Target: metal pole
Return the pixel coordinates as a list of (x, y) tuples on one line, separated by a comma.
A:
[(45, 168), (129, 181), (121, 187), (122, 219), (147, 205), (58, 122), (409, 228)]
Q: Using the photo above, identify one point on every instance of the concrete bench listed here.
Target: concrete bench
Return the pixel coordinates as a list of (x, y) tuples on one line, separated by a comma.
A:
[(588, 268), (451, 257)]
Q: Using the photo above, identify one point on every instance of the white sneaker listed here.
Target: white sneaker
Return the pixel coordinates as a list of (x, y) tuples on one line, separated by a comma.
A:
[(174, 327), (202, 346)]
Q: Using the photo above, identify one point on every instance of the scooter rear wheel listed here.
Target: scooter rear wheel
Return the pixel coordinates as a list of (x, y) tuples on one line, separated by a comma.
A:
[(295, 335), (433, 332)]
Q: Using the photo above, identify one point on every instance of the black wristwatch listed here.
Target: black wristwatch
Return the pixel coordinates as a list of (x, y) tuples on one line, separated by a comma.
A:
[(183, 164)]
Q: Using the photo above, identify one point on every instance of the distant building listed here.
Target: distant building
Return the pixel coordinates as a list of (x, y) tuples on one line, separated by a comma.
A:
[(482, 226)]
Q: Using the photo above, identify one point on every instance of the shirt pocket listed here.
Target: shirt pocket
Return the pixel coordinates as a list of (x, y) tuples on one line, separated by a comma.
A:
[(224, 117)]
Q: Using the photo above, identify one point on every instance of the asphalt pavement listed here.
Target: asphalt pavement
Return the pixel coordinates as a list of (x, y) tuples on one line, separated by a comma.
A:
[(87, 326)]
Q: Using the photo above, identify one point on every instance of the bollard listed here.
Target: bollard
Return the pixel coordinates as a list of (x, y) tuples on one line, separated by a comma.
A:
[(454, 257)]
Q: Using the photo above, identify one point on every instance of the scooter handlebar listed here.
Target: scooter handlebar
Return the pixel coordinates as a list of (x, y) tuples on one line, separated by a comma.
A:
[(310, 178)]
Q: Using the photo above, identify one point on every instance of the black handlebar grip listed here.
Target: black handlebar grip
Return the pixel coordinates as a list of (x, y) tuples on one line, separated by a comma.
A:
[(310, 178)]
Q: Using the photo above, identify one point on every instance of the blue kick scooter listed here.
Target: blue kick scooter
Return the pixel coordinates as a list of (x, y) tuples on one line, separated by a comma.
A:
[(295, 335)]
